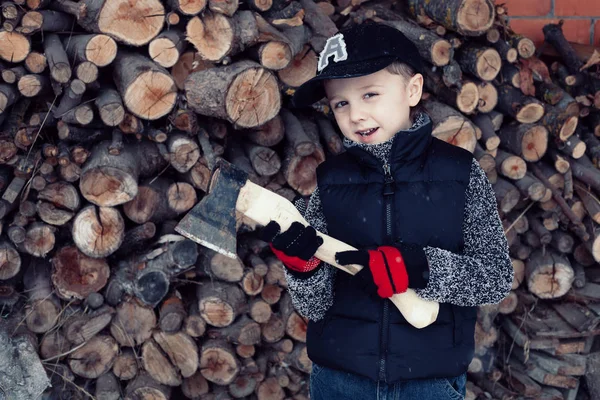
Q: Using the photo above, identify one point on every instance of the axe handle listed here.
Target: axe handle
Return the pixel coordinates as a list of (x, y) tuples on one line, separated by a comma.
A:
[(262, 205)]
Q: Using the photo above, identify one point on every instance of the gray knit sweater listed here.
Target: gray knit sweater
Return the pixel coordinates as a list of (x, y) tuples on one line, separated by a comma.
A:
[(483, 274)]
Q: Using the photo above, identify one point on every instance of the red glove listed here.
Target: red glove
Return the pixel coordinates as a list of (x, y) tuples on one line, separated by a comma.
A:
[(386, 264), (295, 247)]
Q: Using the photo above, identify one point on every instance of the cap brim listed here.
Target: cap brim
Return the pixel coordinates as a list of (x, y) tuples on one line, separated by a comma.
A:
[(312, 90)]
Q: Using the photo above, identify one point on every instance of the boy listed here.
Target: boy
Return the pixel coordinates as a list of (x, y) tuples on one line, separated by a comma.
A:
[(423, 216)]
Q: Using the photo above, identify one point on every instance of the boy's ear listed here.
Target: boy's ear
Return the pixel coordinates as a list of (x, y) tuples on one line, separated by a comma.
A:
[(415, 89)]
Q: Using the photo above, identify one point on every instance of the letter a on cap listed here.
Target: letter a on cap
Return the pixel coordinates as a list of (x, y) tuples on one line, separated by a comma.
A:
[(335, 47)]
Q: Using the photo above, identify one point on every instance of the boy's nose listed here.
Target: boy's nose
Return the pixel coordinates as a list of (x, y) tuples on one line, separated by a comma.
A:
[(357, 114)]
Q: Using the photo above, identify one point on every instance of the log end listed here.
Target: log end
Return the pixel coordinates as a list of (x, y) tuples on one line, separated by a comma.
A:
[(151, 95), (132, 22), (107, 186)]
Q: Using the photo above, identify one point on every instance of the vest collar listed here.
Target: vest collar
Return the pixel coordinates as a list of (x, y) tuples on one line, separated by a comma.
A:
[(406, 145)]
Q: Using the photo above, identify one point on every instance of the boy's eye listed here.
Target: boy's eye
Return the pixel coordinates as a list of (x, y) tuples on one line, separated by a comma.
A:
[(340, 104), (368, 95)]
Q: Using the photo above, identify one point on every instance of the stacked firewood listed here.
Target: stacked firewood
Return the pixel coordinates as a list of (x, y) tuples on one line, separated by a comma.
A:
[(112, 114)]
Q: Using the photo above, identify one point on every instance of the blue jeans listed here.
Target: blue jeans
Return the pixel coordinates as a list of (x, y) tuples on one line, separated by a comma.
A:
[(330, 384)]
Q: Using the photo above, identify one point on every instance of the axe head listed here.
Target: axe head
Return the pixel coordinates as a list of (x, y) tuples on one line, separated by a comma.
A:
[(211, 222)]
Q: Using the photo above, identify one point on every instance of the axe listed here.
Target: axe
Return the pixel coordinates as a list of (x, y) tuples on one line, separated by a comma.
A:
[(212, 223)]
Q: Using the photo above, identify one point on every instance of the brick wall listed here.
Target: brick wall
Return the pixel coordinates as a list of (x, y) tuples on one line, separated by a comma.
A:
[(582, 18)]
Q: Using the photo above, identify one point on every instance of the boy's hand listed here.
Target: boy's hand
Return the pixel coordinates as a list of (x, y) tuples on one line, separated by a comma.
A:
[(386, 265), (295, 247)]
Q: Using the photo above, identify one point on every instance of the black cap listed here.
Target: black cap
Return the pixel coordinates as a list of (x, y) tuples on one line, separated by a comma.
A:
[(360, 50)]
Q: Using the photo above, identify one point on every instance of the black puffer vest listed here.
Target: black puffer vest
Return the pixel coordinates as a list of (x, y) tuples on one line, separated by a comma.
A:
[(417, 198)]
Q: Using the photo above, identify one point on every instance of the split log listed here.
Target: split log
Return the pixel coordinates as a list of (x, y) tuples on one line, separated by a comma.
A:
[(181, 350), (81, 329)]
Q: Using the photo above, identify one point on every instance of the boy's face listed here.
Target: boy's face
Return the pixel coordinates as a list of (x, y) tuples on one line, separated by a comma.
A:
[(373, 108)]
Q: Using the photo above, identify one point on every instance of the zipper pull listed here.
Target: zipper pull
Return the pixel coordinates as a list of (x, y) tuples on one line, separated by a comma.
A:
[(386, 169)]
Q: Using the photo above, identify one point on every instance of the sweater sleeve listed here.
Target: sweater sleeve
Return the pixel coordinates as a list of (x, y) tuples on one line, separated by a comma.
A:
[(312, 296), (484, 273)]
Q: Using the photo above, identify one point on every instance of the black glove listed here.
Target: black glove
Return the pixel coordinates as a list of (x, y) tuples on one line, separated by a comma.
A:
[(295, 247)]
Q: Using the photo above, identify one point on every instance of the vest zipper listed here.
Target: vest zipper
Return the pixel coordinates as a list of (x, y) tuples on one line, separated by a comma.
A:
[(388, 192)]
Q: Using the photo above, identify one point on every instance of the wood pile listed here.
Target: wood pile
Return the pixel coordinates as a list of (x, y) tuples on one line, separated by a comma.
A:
[(112, 114)]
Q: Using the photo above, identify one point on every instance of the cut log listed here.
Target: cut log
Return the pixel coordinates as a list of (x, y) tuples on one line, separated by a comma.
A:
[(81, 329), (183, 152), (14, 46), (451, 126), (528, 141), (510, 166), (10, 261), (195, 386), (220, 266), (32, 85), (232, 88), (147, 89), (481, 61), (76, 275), (133, 323), (145, 387), (94, 358), (507, 195), (531, 187), (39, 239), (96, 48), (524, 109), (98, 232), (158, 366), (110, 107), (548, 275), (432, 48), (58, 61), (220, 303), (524, 45), (172, 314), (302, 68), (125, 367), (465, 99), (167, 47), (559, 122), (109, 180), (218, 363), (194, 326), (243, 331), (468, 17)]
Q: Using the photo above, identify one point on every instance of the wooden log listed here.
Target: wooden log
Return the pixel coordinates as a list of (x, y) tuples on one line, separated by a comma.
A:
[(191, 8), (243, 331), (194, 325), (506, 51), (133, 323), (96, 48), (75, 275), (301, 69), (45, 20), (87, 72), (559, 122), (531, 187), (507, 195), (58, 61), (528, 141), (218, 362), (195, 386), (125, 367), (183, 152), (220, 266), (147, 89), (220, 303), (109, 180), (98, 232), (524, 45), (95, 357), (481, 61), (470, 18), (167, 47), (15, 46), (32, 85), (81, 329), (239, 82), (54, 345), (107, 387), (39, 239), (450, 126), (510, 165), (432, 48), (465, 99), (172, 314), (10, 261), (145, 387), (523, 108), (548, 275), (110, 107), (181, 350), (43, 307)]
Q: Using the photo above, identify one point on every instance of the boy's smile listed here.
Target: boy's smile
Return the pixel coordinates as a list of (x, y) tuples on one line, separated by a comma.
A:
[(373, 108)]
